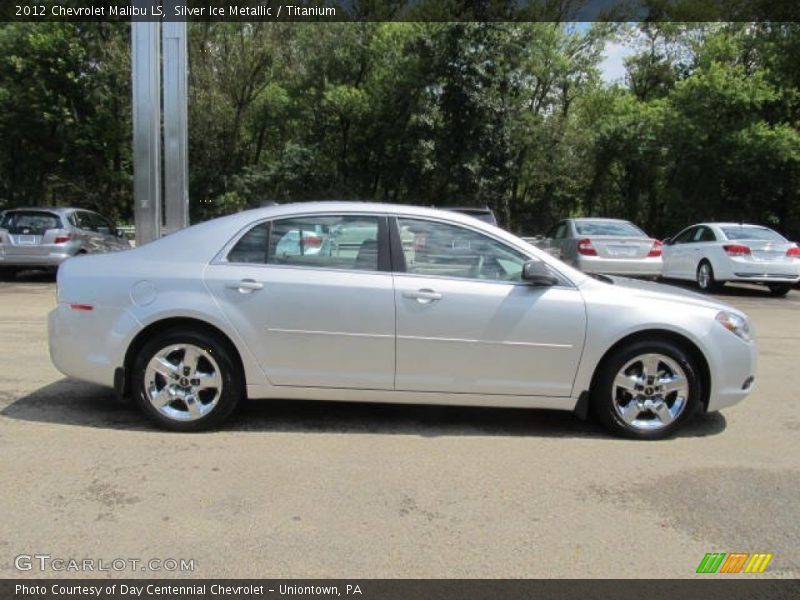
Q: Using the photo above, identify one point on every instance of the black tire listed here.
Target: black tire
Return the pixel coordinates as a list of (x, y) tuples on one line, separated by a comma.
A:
[(8, 274), (778, 290), (709, 284), (603, 393), (219, 350)]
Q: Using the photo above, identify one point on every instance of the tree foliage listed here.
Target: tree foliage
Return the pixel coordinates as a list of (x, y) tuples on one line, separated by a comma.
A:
[(706, 124)]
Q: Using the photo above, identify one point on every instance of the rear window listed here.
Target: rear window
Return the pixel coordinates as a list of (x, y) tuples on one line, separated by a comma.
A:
[(29, 222), (620, 228), (752, 233)]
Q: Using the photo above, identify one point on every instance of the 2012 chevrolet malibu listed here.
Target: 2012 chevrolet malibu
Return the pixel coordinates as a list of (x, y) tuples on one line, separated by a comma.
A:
[(388, 304)]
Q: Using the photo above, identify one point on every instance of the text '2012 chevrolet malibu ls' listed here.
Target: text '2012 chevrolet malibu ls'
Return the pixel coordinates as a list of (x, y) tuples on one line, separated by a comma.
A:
[(348, 301)]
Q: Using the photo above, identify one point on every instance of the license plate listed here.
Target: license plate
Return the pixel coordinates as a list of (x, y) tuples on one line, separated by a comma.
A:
[(26, 239), (767, 254), (622, 251)]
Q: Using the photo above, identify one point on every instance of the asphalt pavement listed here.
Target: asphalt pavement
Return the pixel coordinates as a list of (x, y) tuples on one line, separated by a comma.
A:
[(300, 489)]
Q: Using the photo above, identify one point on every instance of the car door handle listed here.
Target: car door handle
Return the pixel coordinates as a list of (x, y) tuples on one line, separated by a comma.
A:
[(246, 286), (424, 296)]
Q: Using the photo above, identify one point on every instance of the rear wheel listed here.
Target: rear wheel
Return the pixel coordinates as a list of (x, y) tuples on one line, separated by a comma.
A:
[(646, 390), (779, 289), (705, 277), (186, 380)]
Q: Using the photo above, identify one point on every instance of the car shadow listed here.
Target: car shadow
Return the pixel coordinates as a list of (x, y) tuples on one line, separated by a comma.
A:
[(742, 290), (34, 276), (76, 403)]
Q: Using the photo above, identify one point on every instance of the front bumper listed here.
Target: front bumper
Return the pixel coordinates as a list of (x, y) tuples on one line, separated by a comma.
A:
[(732, 363)]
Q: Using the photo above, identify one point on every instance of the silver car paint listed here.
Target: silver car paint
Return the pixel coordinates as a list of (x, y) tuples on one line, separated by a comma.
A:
[(325, 334), (638, 263)]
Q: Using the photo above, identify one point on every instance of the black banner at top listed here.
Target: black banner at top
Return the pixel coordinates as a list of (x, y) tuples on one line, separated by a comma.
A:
[(401, 10)]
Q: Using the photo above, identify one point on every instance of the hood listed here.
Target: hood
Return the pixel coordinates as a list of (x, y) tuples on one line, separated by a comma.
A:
[(650, 290)]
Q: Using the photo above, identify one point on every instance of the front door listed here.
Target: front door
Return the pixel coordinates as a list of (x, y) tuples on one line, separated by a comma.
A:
[(313, 299), (466, 323)]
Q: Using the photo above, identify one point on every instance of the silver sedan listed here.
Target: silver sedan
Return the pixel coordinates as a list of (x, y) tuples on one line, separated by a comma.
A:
[(428, 307), (610, 246)]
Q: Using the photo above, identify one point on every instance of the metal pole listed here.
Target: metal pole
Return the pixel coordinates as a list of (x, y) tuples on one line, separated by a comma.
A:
[(176, 195), (146, 75)]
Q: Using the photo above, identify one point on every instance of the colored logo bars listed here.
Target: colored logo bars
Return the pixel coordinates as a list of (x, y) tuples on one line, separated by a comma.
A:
[(734, 562)]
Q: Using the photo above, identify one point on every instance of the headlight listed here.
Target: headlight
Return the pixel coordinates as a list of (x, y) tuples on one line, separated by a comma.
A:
[(736, 324)]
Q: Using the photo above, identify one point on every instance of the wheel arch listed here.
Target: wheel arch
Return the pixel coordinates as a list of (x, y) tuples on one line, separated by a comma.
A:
[(685, 343), (141, 338)]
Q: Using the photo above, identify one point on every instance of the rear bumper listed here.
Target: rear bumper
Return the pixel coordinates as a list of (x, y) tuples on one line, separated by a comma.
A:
[(642, 267), (54, 259), (90, 345), (766, 277)]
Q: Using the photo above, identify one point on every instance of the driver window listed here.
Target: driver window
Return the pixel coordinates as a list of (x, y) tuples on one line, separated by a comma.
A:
[(443, 250), (561, 231)]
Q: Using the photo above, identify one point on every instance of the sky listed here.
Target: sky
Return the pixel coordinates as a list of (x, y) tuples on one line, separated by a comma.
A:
[(612, 67)]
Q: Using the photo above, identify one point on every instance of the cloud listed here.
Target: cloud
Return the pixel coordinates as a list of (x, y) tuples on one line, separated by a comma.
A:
[(612, 67)]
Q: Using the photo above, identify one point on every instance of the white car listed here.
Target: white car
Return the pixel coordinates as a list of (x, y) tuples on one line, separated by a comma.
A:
[(713, 253), (189, 324)]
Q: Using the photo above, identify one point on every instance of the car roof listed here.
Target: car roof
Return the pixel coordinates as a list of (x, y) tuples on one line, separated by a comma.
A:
[(51, 209), (731, 224), (604, 219)]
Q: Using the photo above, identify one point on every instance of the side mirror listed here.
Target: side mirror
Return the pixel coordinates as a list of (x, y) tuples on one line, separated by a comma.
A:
[(535, 272), (667, 241)]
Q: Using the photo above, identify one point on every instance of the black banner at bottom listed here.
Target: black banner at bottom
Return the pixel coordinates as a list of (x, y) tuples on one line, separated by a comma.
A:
[(405, 589)]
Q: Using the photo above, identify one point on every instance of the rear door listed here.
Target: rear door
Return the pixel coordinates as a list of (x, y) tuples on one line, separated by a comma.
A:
[(467, 324), (313, 298)]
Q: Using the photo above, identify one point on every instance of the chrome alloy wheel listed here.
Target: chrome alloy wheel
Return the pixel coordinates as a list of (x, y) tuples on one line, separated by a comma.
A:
[(704, 276), (183, 382), (650, 391)]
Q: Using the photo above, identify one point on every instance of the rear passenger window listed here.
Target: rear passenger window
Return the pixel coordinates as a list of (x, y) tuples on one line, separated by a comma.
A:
[(323, 241), (252, 248)]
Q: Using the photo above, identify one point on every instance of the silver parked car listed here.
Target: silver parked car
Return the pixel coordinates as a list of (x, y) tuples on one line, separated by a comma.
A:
[(416, 305), (35, 238), (609, 246), (713, 253)]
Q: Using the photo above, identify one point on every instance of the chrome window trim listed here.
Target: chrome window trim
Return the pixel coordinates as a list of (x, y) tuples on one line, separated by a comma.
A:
[(221, 258)]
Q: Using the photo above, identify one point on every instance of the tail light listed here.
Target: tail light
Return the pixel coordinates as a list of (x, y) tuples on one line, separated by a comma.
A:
[(656, 249), (736, 250), (312, 241), (793, 252), (585, 247), (62, 239)]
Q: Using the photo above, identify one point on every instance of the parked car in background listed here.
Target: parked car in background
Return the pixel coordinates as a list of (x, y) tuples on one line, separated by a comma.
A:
[(713, 253), (36, 238), (484, 213), (608, 246), (191, 323)]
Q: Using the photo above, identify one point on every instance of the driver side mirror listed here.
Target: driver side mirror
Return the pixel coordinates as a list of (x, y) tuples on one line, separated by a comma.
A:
[(535, 272), (667, 241)]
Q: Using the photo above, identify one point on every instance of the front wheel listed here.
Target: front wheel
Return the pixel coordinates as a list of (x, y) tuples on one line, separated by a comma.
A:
[(186, 380), (646, 390), (779, 290)]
